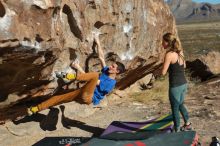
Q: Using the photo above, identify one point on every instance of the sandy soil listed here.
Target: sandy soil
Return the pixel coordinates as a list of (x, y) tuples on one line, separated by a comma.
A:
[(74, 120)]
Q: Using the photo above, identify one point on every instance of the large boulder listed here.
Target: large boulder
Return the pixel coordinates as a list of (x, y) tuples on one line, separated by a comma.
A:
[(212, 60), (42, 36), (205, 67)]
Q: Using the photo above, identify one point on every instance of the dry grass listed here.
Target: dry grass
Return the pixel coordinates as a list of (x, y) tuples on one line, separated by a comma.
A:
[(158, 93), (199, 38)]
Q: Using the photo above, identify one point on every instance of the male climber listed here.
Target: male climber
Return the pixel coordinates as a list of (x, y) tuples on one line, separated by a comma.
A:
[(96, 87)]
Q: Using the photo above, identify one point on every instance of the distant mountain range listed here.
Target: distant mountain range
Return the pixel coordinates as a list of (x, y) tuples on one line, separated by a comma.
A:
[(186, 10)]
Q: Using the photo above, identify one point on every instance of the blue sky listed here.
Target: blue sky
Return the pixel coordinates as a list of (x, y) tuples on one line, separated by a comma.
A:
[(209, 1)]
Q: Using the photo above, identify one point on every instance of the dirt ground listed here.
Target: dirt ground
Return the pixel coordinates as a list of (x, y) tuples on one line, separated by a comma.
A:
[(70, 120)]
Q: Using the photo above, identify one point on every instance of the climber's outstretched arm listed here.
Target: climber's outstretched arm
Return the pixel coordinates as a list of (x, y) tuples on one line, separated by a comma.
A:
[(100, 51)]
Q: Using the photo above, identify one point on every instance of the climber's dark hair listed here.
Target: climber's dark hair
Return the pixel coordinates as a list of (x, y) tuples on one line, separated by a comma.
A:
[(121, 67)]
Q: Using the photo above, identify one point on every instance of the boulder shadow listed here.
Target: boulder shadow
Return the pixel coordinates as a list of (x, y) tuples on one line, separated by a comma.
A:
[(68, 123), (47, 122)]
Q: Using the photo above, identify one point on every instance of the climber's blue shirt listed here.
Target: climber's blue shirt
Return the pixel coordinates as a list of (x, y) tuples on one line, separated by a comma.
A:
[(105, 86)]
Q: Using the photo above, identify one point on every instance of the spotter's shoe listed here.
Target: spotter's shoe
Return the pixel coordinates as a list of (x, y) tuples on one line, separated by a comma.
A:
[(186, 127)]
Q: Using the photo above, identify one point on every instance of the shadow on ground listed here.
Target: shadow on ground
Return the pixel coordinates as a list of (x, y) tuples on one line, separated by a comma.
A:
[(47, 122), (67, 123)]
